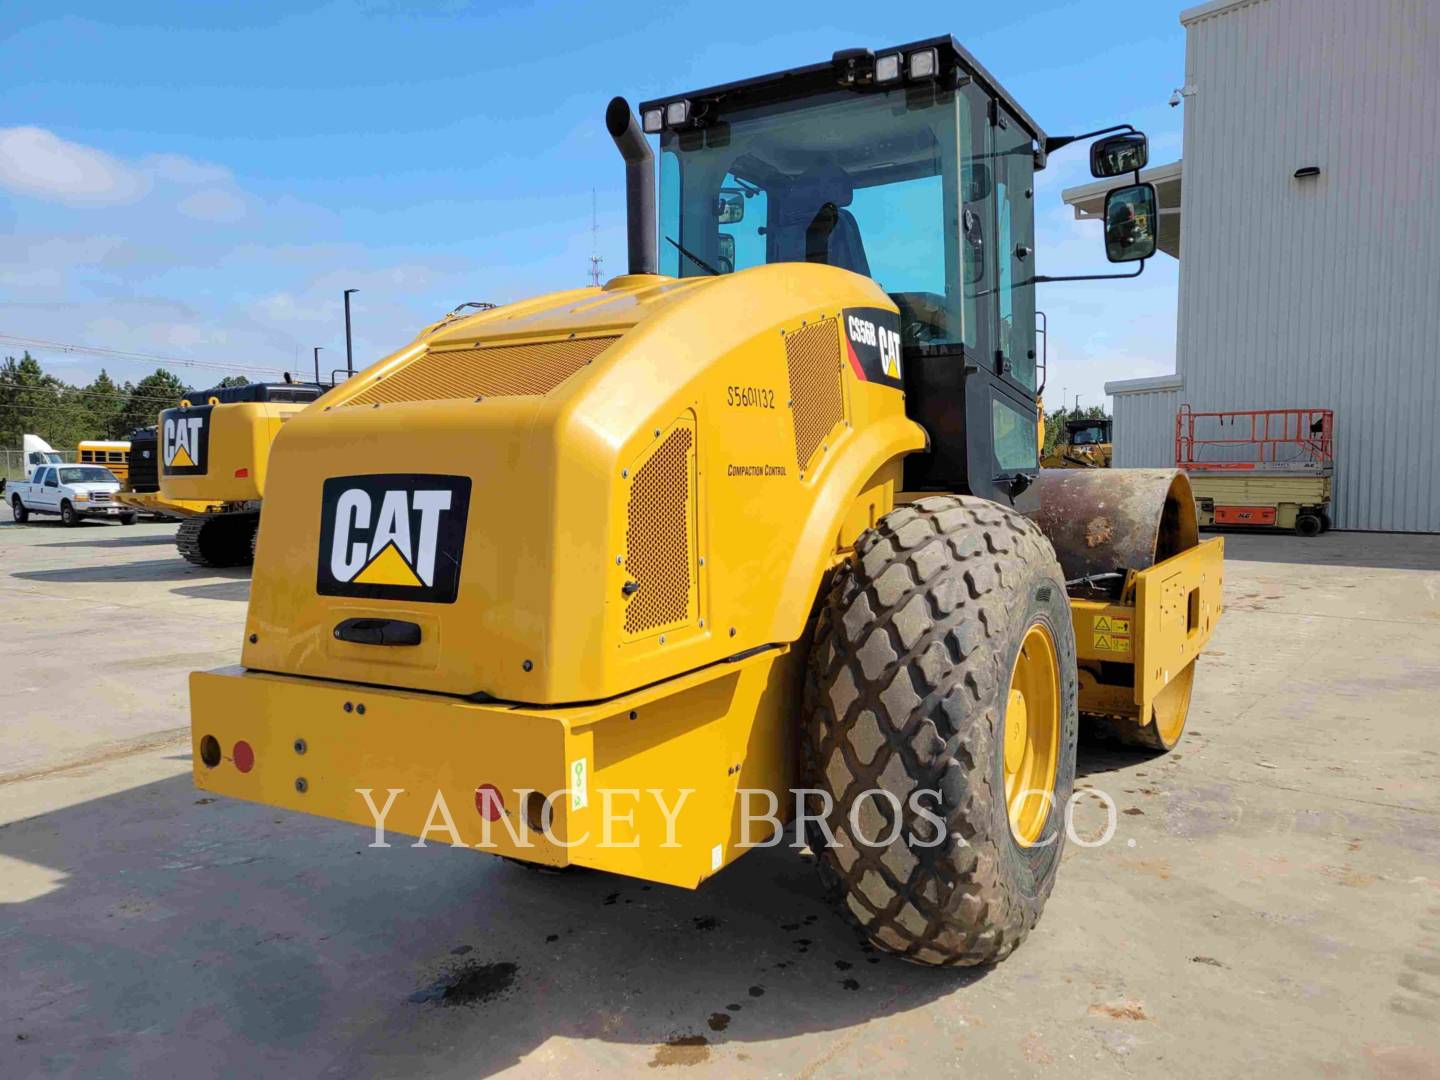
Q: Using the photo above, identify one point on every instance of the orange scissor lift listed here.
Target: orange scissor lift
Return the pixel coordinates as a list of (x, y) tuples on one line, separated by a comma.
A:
[(1260, 468)]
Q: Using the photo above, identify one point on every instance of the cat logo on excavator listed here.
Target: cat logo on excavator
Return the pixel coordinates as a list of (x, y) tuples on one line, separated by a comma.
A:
[(185, 440), (393, 537)]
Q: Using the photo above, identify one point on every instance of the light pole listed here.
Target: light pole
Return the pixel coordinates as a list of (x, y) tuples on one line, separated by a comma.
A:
[(349, 349), (317, 363)]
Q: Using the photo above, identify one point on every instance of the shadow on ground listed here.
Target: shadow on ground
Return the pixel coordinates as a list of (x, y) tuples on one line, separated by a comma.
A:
[(188, 935), (238, 589), (1385, 551), (149, 570), (164, 539)]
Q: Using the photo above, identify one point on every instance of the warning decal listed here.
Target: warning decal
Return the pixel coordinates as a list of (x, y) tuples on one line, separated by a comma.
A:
[(1110, 634)]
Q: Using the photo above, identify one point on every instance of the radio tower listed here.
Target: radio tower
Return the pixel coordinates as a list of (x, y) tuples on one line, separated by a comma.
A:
[(596, 260)]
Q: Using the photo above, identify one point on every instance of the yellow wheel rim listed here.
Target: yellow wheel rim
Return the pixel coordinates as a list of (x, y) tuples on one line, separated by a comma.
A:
[(1032, 735)]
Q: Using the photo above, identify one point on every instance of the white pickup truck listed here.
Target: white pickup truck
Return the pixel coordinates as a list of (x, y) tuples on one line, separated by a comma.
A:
[(74, 492)]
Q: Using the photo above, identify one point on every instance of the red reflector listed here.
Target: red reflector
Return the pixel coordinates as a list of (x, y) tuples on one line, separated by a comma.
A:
[(489, 802), (243, 756), (240, 474)]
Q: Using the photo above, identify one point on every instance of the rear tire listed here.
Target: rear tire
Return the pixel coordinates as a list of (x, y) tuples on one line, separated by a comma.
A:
[(908, 690), (17, 508), (1308, 524), (68, 517)]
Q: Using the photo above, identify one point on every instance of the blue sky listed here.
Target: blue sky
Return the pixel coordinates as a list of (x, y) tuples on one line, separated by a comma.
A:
[(202, 180)]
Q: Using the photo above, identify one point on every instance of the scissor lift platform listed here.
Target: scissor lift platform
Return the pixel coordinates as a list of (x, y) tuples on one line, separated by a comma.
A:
[(1259, 468)]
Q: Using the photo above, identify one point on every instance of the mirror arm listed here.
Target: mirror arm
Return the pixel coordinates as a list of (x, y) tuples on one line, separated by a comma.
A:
[(1055, 142), (1041, 279)]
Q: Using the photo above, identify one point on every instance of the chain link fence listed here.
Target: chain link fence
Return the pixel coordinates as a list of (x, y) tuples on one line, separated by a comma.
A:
[(12, 462)]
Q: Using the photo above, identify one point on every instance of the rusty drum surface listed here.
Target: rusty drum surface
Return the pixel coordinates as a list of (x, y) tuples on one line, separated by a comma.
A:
[(1104, 521)]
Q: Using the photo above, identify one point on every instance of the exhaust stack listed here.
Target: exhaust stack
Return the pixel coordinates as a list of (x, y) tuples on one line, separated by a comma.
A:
[(639, 186)]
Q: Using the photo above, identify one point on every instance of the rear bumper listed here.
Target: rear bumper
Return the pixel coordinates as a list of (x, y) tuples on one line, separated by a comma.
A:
[(317, 746)]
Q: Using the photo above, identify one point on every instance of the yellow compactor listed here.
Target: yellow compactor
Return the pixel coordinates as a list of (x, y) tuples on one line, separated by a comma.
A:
[(600, 577), (1084, 444)]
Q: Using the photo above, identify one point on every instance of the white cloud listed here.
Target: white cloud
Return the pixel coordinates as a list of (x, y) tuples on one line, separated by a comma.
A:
[(213, 204), (39, 163), (178, 169)]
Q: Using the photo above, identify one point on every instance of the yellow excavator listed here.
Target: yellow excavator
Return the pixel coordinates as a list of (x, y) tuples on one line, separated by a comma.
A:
[(214, 459), (635, 577)]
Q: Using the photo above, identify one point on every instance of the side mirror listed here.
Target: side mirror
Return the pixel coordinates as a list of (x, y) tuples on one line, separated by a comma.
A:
[(977, 182), (1132, 223), (730, 207), (1116, 155)]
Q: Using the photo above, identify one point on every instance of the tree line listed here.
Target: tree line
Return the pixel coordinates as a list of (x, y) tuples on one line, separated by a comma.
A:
[(36, 403)]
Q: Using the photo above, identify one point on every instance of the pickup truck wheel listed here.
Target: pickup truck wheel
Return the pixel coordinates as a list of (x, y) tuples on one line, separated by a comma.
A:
[(18, 509), (68, 516), (127, 519)]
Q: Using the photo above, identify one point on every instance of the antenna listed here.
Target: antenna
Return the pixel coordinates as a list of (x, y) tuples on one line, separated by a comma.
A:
[(596, 260)]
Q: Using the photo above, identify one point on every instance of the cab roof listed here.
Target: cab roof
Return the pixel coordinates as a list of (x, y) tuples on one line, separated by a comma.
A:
[(261, 391), (793, 83)]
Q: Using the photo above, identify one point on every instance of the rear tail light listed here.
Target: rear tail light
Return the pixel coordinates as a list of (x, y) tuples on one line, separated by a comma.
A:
[(241, 474), (489, 802)]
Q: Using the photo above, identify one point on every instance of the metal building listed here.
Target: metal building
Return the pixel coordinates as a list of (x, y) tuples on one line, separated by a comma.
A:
[(1309, 241)]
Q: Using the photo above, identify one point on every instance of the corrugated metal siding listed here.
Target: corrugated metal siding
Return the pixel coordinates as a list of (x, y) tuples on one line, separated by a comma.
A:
[(1145, 428), (1320, 292)]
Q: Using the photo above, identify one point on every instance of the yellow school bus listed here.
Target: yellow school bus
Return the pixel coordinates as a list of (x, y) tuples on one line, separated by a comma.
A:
[(115, 456)]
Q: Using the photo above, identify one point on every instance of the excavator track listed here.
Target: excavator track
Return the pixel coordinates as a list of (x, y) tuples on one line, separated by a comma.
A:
[(218, 540)]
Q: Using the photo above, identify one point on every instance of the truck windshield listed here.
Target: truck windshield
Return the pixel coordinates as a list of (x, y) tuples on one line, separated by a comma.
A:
[(872, 182), (83, 474)]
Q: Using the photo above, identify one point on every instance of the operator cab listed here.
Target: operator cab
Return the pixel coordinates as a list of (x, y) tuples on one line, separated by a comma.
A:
[(911, 166), (1089, 432)]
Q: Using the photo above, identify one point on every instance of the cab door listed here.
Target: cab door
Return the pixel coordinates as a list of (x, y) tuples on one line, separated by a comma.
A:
[(1013, 409), (47, 494)]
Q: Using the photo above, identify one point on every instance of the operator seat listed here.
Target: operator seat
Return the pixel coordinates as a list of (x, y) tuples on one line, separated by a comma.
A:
[(814, 224)]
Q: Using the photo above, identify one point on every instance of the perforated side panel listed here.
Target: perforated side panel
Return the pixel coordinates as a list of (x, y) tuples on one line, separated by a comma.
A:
[(816, 400), (527, 370), (657, 537)]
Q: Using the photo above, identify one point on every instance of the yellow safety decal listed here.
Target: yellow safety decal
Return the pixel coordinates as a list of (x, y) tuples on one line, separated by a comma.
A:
[(1110, 634)]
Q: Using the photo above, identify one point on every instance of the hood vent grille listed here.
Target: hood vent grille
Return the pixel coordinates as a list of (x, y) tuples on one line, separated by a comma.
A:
[(659, 547), (531, 369), (817, 399)]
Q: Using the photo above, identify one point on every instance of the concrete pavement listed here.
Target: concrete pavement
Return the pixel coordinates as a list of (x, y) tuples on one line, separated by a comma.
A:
[(1270, 900)]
